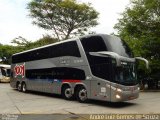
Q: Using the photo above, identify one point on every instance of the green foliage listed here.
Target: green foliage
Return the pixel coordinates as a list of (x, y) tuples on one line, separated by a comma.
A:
[(7, 51), (41, 42), (140, 28), (21, 45), (20, 41), (65, 18)]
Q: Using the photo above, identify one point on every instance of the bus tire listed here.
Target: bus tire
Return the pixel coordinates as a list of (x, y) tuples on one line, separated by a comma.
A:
[(67, 92), (81, 94), (19, 87), (24, 87)]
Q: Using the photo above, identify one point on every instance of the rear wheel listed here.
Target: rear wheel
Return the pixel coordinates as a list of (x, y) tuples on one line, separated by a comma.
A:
[(67, 93), (19, 87), (81, 95), (24, 87)]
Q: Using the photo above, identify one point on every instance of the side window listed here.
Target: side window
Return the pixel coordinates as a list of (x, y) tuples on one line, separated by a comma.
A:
[(29, 56), (65, 49), (20, 58), (59, 50), (71, 49), (55, 51), (100, 66), (56, 73), (41, 53), (93, 44), (14, 59), (3, 70)]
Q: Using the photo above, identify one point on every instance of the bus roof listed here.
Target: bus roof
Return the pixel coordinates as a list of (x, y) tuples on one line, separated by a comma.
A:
[(5, 66), (73, 39)]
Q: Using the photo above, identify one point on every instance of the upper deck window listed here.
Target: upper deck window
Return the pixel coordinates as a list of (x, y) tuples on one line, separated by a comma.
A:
[(93, 44), (117, 45), (59, 50)]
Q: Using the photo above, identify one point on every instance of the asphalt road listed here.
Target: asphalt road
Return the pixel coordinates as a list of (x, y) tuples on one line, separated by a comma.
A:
[(14, 102)]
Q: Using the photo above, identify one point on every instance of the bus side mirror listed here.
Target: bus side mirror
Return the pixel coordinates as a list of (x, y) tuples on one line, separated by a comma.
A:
[(108, 54), (143, 59)]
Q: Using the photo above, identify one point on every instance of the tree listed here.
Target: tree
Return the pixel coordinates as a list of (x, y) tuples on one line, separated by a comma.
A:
[(6, 51), (45, 40), (20, 41), (65, 18), (23, 44), (140, 28)]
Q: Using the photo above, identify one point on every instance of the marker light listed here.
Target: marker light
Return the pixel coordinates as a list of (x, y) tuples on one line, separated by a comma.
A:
[(119, 90), (118, 96)]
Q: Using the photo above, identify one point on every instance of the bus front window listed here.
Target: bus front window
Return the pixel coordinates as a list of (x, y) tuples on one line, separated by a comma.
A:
[(5, 72), (126, 74)]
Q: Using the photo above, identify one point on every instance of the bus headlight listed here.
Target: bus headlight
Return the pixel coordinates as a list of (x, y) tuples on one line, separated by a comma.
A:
[(119, 90), (118, 96)]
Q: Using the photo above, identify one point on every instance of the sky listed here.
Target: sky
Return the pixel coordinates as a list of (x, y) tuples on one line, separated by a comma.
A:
[(14, 19)]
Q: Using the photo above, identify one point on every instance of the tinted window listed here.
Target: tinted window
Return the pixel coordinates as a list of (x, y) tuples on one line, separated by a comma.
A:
[(3, 71), (117, 45), (100, 66), (56, 50), (93, 44), (8, 72), (64, 49), (70, 49), (56, 73)]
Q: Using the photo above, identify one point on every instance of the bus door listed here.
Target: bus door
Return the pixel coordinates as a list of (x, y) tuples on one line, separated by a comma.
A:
[(100, 89), (100, 85), (101, 69)]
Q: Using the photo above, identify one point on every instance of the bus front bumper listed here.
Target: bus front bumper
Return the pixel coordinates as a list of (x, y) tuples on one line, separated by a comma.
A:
[(124, 96), (5, 79)]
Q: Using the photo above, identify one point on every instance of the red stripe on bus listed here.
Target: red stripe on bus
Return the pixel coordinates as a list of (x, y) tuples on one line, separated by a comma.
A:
[(72, 81)]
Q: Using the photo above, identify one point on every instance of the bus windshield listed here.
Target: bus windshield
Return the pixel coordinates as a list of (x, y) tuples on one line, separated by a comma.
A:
[(5, 72), (115, 44), (126, 74)]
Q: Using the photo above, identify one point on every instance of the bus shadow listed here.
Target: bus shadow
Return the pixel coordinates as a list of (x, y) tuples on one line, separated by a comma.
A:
[(90, 102), (41, 94), (111, 104), (45, 94)]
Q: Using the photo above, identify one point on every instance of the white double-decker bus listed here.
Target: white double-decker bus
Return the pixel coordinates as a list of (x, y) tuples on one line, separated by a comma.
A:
[(99, 67)]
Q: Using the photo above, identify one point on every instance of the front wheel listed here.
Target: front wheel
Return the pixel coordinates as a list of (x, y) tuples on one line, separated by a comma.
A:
[(81, 95)]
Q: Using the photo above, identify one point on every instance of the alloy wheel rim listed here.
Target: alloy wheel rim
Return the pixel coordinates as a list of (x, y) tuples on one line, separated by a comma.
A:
[(68, 93), (83, 95)]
